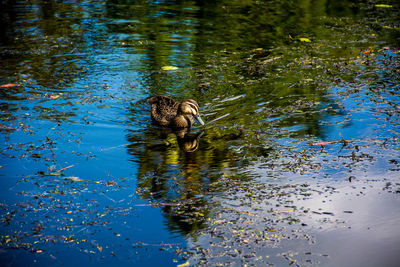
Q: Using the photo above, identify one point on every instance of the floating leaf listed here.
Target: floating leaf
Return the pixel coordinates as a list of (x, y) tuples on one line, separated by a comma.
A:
[(183, 264), (367, 52), (54, 96), (284, 211), (169, 68), (383, 5), (74, 178), (8, 85), (306, 40), (388, 27), (100, 248), (247, 213), (323, 143), (103, 106), (62, 169)]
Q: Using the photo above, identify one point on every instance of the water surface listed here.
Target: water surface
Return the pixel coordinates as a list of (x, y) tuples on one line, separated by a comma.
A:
[(299, 152)]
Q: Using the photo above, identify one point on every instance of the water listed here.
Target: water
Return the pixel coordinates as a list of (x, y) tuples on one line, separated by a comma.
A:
[(86, 178)]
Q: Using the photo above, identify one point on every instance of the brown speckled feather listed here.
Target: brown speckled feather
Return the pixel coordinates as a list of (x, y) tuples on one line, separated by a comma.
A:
[(163, 109)]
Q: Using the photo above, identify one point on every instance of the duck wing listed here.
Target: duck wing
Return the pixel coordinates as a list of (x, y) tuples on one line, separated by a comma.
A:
[(163, 109)]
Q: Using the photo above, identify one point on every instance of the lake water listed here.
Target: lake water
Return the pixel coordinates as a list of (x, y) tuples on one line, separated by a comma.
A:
[(298, 162)]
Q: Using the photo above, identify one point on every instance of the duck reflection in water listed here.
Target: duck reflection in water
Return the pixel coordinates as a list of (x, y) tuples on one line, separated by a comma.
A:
[(179, 117)]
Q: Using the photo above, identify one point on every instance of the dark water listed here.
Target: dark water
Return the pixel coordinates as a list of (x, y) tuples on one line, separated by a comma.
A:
[(87, 179)]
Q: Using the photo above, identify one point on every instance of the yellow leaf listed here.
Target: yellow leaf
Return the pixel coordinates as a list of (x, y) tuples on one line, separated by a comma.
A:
[(183, 264), (54, 96), (383, 5), (74, 178), (169, 68), (306, 40)]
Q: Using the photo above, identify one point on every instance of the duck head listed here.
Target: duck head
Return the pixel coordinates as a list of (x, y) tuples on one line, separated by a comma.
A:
[(186, 110)]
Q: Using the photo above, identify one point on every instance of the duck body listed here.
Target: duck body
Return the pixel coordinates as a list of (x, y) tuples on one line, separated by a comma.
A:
[(168, 112)]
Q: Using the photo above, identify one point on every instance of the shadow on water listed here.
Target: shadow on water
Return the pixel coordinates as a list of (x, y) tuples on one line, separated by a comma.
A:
[(300, 100)]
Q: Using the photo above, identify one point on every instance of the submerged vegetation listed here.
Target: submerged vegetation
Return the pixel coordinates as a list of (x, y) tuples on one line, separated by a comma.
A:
[(301, 103)]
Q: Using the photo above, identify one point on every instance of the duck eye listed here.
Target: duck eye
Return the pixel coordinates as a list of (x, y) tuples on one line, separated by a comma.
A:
[(193, 108), (194, 111)]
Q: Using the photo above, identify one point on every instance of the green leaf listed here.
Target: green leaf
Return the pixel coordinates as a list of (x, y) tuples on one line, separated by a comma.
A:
[(383, 5)]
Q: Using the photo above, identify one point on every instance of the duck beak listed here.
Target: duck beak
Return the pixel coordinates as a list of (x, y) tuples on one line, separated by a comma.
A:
[(197, 117)]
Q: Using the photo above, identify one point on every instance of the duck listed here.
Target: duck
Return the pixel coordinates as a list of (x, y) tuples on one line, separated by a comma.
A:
[(168, 112)]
